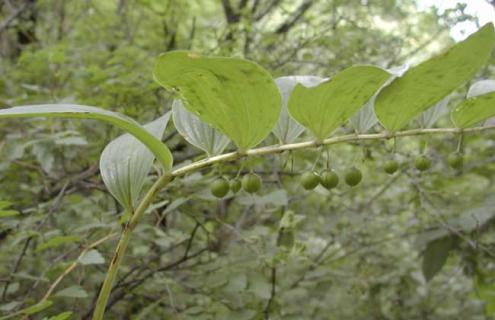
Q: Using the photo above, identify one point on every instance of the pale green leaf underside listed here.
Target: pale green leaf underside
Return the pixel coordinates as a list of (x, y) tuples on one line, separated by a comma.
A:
[(161, 152), (196, 132), (323, 108), (125, 163), (287, 130), (474, 110), (424, 85), (481, 87), (235, 96), (428, 118)]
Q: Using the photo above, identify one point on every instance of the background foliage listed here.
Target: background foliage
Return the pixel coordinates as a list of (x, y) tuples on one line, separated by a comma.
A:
[(360, 253)]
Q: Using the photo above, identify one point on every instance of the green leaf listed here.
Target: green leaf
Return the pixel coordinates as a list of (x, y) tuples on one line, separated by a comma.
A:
[(7, 213), (435, 256), (323, 108), (287, 130), (125, 163), (92, 257), (196, 132), (56, 242), (72, 292), (37, 307), (161, 152), (426, 84), (62, 316), (474, 110), (235, 96)]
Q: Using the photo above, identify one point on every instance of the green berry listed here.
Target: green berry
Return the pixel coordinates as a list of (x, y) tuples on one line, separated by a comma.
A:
[(235, 185), (422, 163), (391, 166), (353, 177), (455, 160), (309, 180), (329, 179), (219, 188), (251, 183)]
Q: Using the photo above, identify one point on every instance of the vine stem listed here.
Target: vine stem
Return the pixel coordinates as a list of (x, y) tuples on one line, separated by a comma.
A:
[(232, 156)]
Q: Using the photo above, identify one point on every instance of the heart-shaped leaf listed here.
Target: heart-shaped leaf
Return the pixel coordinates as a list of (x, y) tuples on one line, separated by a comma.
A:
[(287, 130), (426, 84), (161, 152), (323, 108), (235, 96), (125, 163), (196, 132)]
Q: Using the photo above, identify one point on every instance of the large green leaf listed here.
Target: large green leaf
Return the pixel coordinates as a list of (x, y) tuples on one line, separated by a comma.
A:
[(196, 132), (235, 96), (125, 163), (323, 108), (426, 84), (161, 151), (474, 110)]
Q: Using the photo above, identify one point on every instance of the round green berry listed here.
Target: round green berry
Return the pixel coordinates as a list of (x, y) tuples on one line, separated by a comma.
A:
[(251, 183), (219, 188), (455, 160), (391, 166), (329, 179), (235, 185), (353, 176), (422, 163), (309, 180)]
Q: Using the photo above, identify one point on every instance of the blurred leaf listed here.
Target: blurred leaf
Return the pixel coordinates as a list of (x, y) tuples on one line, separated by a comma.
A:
[(435, 256), (323, 108), (235, 96), (72, 292), (196, 132), (56, 242), (37, 307), (126, 162), (85, 112), (425, 85), (92, 257), (62, 316), (287, 130), (9, 306)]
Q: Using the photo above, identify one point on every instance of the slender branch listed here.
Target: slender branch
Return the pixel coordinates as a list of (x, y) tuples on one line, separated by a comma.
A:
[(168, 177), (272, 293), (75, 264), (106, 288), (231, 156)]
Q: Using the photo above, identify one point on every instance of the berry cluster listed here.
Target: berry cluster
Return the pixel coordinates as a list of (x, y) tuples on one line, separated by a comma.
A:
[(250, 183)]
